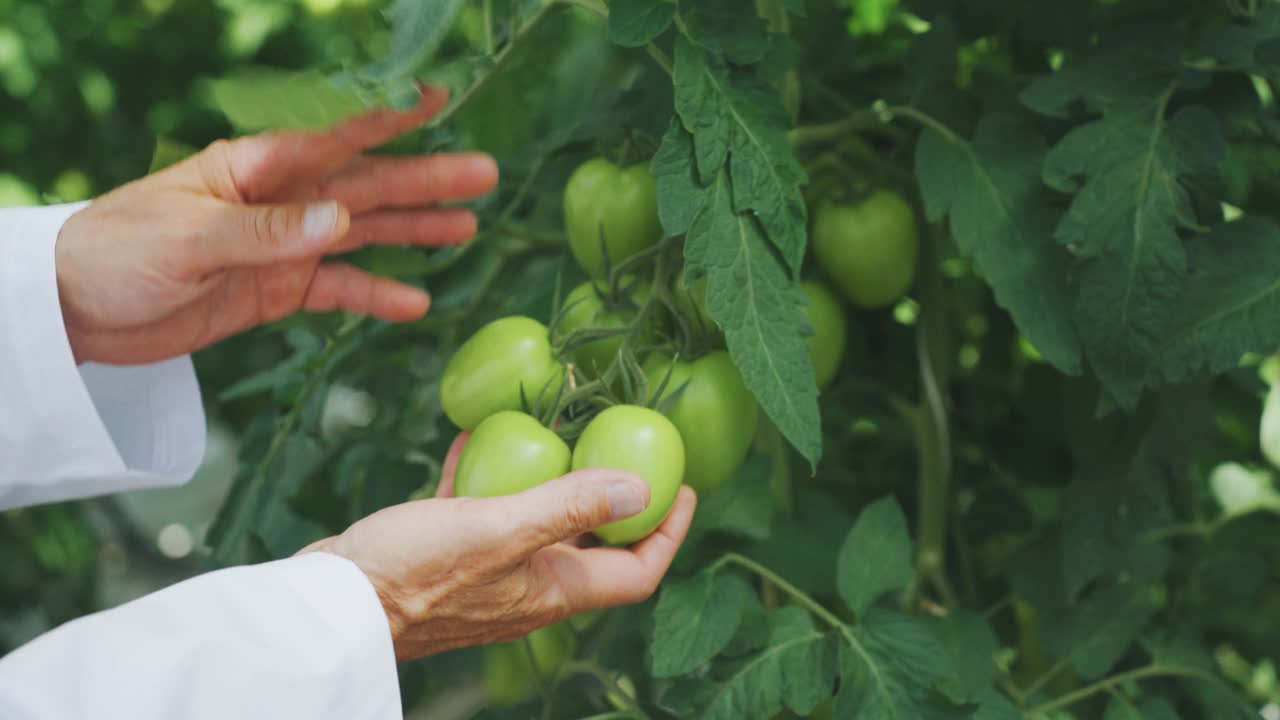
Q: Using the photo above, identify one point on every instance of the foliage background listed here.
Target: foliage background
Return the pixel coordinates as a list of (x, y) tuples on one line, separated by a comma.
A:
[(87, 87)]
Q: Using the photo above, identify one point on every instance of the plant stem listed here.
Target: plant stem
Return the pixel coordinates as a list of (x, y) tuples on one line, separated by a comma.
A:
[(1103, 685), (803, 598), (863, 119), (599, 8), (487, 10), (927, 120)]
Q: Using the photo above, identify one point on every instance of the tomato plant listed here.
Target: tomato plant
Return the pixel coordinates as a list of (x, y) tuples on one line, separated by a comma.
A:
[(507, 453), (610, 214), (1037, 481), (514, 672), (505, 364), (714, 412), (868, 249), (642, 441)]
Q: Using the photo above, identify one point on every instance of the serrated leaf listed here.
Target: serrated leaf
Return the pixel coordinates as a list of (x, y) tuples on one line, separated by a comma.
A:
[(722, 27), (1098, 630), (633, 23), (1127, 171), (1001, 216), (971, 646), (1231, 304), (749, 293), (876, 556), (417, 29), (796, 670), (734, 119), (263, 99), (890, 666), (694, 620)]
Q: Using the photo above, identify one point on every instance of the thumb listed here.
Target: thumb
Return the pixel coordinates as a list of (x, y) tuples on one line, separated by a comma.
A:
[(572, 505), (263, 234)]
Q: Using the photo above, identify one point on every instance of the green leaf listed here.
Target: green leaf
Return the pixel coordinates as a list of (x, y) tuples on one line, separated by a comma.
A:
[(723, 28), (1121, 708), (749, 293), (1098, 630), (735, 119), (971, 646), (633, 23), (1231, 304), (695, 619), (889, 667), (1001, 216), (876, 556), (417, 29), (263, 99), (796, 669), (1127, 171)]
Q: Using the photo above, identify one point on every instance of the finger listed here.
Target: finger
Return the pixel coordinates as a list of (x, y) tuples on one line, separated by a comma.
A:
[(569, 506), (339, 286), (380, 182), (431, 228), (244, 235), (445, 489), (267, 165), (606, 577)]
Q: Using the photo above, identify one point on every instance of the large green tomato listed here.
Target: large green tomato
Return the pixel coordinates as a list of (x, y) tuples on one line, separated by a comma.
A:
[(487, 373), (508, 453), (714, 412), (509, 677), (620, 203), (868, 249), (826, 345), (634, 438)]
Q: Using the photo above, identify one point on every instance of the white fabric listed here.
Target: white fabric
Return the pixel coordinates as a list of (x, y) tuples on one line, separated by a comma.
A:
[(299, 638)]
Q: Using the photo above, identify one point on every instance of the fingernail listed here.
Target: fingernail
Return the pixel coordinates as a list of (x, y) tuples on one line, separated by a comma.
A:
[(626, 498), (318, 222)]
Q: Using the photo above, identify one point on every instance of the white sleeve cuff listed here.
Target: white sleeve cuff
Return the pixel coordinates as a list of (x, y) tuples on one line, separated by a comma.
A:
[(299, 639), (68, 431)]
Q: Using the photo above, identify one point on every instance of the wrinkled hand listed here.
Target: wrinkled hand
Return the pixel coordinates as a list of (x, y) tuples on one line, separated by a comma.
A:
[(234, 236), (452, 572)]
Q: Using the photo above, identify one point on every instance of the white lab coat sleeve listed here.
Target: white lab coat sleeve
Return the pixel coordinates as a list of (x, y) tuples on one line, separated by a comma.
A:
[(297, 639), (70, 432)]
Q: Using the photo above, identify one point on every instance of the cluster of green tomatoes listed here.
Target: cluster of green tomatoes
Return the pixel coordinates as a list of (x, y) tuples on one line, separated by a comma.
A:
[(636, 339)]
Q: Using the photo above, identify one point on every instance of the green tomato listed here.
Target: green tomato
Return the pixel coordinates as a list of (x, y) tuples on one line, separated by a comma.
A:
[(584, 308), (487, 373), (692, 301), (826, 345), (511, 679), (508, 453), (713, 410), (642, 441), (869, 249), (619, 203)]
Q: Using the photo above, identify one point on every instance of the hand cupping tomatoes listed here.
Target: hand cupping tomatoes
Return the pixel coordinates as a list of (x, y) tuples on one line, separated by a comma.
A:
[(868, 249), (505, 361), (610, 209)]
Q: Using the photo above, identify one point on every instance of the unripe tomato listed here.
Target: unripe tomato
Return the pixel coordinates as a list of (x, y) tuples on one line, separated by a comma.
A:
[(826, 345), (692, 301), (584, 308), (642, 441), (487, 373), (509, 677), (868, 249), (714, 412), (620, 203), (508, 453)]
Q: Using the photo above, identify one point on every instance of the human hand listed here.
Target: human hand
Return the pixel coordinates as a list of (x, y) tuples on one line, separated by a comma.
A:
[(452, 572), (234, 236)]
